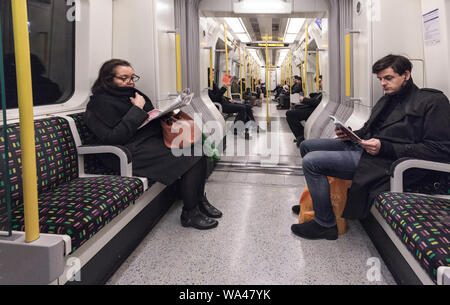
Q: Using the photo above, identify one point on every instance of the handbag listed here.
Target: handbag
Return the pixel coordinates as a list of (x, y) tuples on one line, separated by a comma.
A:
[(179, 130)]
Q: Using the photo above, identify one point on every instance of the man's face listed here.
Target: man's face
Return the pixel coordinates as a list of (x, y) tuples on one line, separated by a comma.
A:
[(391, 81)]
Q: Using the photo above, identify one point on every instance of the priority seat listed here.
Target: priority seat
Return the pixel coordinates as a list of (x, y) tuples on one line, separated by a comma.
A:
[(68, 204)]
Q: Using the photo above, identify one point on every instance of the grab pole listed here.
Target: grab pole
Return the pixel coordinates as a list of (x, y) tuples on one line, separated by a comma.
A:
[(25, 99)]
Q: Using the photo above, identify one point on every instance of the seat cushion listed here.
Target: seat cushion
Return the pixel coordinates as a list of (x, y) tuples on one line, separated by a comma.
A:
[(81, 207), (423, 225)]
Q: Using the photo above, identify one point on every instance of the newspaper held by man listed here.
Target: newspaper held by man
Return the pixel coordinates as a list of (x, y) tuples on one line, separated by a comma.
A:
[(353, 137), (183, 99)]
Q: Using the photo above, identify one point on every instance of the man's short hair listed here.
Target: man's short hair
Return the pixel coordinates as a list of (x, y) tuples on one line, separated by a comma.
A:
[(297, 77), (400, 64)]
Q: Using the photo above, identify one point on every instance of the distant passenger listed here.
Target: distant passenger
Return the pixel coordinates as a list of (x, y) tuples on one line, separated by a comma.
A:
[(285, 99), (244, 112), (302, 112), (235, 85), (114, 113), (406, 122)]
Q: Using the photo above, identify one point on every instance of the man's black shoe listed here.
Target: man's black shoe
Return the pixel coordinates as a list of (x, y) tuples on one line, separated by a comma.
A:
[(194, 218), (208, 209), (312, 230), (296, 209)]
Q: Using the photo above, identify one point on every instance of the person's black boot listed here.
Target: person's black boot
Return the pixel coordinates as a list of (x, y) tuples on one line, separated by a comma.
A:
[(207, 208), (313, 230), (195, 218)]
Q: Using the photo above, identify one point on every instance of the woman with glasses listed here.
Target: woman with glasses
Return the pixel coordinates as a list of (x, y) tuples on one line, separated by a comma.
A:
[(114, 114)]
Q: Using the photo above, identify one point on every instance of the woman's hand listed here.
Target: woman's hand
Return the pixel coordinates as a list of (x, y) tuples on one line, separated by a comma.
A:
[(138, 100)]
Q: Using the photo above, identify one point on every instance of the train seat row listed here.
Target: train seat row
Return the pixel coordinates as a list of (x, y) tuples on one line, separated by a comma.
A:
[(77, 199)]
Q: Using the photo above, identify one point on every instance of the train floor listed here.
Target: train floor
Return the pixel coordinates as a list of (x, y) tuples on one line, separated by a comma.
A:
[(253, 243)]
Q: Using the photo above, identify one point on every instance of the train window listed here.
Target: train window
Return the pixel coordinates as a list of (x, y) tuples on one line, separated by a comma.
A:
[(52, 48)]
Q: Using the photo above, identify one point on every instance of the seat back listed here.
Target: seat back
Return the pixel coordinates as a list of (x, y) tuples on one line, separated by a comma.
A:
[(56, 158)]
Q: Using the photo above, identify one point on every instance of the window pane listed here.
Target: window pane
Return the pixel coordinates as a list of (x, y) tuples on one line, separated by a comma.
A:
[(52, 41)]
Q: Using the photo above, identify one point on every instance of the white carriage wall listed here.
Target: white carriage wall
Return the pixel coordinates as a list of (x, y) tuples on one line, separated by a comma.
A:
[(437, 52), (385, 27), (140, 36)]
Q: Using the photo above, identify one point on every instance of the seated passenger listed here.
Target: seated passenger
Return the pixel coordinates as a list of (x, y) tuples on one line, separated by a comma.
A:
[(114, 113), (244, 112), (302, 112), (285, 98), (235, 89), (406, 122)]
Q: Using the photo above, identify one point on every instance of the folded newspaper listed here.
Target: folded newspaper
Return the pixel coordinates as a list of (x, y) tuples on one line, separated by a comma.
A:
[(183, 99), (345, 130)]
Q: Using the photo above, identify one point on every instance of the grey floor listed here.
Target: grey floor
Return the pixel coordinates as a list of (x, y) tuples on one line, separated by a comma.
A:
[(253, 243)]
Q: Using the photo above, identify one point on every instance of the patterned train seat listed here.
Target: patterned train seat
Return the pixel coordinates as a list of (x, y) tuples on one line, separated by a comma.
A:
[(68, 204), (423, 225)]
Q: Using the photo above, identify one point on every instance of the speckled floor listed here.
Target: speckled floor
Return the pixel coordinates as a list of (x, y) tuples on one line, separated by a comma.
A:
[(253, 243)]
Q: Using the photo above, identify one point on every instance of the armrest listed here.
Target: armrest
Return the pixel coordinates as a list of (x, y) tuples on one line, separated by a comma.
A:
[(443, 275), (120, 151), (219, 106), (401, 165)]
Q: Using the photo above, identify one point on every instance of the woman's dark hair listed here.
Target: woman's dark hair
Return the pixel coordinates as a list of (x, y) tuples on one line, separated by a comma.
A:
[(106, 74), (398, 63)]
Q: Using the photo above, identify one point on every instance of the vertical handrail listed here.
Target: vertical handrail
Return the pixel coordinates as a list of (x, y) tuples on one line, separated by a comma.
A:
[(226, 54), (5, 134), (267, 82), (210, 68), (290, 74), (245, 71), (317, 70), (25, 99), (240, 75), (348, 87), (178, 58), (306, 61)]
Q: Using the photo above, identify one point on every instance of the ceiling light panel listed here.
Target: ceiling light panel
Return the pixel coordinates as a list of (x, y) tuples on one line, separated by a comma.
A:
[(236, 25), (295, 25)]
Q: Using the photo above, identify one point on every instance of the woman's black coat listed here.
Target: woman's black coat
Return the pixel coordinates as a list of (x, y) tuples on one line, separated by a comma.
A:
[(419, 127), (114, 120)]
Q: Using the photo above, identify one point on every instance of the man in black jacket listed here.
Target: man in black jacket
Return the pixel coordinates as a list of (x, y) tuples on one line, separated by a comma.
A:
[(406, 122), (302, 112)]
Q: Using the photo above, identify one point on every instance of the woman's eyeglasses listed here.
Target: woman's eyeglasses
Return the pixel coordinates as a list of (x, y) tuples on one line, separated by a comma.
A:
[(127, 79)]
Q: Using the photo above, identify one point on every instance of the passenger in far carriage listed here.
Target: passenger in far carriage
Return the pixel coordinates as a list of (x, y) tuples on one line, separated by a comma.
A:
[(406, 122), (244, 112), (114, 114), (302, 111)]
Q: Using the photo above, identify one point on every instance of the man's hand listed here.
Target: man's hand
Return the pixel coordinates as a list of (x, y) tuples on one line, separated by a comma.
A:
[(301, 99), (372, 146), (232, 101), (138, 101), (341, 135)]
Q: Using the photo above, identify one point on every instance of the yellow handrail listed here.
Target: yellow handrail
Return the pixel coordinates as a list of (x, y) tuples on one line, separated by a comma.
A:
[(348, 88), (317, 70), (210, 68), (178, 51), (267, 82), (226, 54), (306, 62), (240, 74), (25, 99)]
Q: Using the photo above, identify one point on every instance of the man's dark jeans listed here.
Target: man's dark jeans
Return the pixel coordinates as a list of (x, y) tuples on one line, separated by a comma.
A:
[(322, 158)]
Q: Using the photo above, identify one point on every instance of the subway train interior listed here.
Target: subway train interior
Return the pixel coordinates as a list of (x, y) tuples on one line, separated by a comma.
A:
[(77, 211)]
